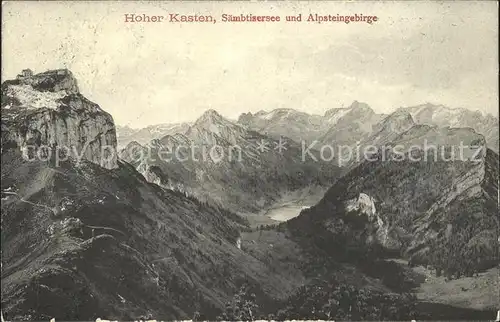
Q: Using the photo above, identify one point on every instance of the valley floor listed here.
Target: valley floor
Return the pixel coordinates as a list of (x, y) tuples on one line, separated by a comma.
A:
[(288, 207), (478, 293), (285, 213), (278, 213)]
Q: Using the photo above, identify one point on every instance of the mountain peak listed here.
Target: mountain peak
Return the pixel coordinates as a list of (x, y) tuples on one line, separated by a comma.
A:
[(358, 108), (356, 111), (212, 123), (50, 81), (398, 122), (46, 109), (278, 113), (208, 118), (361, 107), (211, 114), (400, 113)]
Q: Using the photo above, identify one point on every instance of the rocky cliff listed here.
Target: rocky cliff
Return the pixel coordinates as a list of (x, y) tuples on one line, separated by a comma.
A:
[(45, 116), (436, 209)]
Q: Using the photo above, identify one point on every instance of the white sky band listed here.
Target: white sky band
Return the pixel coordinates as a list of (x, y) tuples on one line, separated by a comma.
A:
[(437, 52)]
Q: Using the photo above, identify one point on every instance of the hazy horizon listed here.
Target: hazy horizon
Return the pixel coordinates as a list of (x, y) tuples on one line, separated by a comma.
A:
[(445, 53), (318, 114)]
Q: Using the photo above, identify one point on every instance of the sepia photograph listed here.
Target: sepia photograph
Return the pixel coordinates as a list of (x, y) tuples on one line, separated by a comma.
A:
[(250, 161)]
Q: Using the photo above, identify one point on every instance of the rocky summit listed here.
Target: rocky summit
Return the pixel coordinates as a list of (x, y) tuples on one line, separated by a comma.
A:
[(45, 115)]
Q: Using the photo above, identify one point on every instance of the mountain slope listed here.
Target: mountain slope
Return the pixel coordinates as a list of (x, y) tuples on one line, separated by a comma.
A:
[(125, 134), (337, 126), (359, 123), (433, 209), (296, 125), (222, 162), (350, 125), (390, 128), (443, 116), (81, 240)]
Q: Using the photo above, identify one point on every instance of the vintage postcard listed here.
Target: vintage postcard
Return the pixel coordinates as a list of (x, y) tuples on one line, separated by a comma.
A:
[(241, 161)]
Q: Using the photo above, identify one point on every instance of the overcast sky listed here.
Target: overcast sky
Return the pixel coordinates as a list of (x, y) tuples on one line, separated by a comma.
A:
[(443, 53)]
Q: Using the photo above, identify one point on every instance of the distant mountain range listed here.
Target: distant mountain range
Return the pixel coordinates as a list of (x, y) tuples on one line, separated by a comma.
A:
[(341, 126), (125, 134), (441, 116), (346, 126), (262, 178), (223, 162)]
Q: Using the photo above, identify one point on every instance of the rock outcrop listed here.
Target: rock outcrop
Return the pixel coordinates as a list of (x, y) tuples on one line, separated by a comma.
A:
[(364, 204), (433, 208), (45, 115)]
